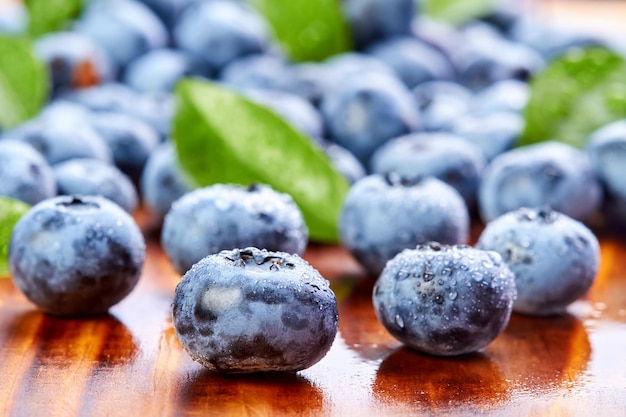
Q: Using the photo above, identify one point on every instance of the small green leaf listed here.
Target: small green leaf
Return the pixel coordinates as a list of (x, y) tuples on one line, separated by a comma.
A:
[(222, 137), (457, 11), (23, 81), (308, 30), (578, 93), (51, 15), (10, 212)]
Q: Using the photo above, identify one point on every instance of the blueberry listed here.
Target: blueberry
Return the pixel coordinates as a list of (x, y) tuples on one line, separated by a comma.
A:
[(382, 215), (444, 37), (162, 180), (24, 174), (373, 20), (504, 16), (92, 177), (251, 310), (548, 40), (364, 112), (105, 97), (343, 160), (221, 217), (445, 300), (546, 174), (167, 10), (74, 60), (259, 71), (294, 109), (413, 61), (130, 139), (220, 31), (488, 58), (493, 133), (346, 66), (156, 109), (441, 103), (126, 29), (310, 80), (160, 69), (66, 111), (606, 148), (554, 258), (59, 141), (507, 95), (442, 155), (76, 256)]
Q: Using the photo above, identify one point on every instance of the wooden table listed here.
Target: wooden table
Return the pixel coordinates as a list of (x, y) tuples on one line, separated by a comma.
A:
[(131, 364)]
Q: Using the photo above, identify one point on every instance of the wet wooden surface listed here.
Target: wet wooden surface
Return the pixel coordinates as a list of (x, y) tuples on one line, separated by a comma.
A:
[(130, 363)]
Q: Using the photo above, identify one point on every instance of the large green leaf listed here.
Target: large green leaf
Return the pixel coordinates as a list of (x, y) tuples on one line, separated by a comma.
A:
[(457, 11), (308, 30), (23, 81), (222, 137), (10, 212), (51, 15), (578, 93)]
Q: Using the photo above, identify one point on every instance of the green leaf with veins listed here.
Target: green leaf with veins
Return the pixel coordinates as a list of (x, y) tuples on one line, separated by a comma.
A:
[(308, 30), (221, 137), (578, 93), (23, 81), (10, 212)]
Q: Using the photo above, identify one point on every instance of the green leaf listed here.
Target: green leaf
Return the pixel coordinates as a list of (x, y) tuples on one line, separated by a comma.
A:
[(222, 137), (10, 212), (457, 11), (23, 81), (308, 30), (578, 93), (51, 15)]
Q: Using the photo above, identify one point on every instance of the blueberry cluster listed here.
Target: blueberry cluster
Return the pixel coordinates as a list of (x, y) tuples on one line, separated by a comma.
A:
[(420, 117)]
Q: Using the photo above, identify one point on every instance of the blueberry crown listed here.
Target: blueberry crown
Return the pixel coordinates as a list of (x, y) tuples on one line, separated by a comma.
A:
[(258, 257), (543, 214)]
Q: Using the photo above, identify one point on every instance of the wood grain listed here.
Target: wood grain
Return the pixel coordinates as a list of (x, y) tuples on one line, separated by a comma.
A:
[(130, 362)]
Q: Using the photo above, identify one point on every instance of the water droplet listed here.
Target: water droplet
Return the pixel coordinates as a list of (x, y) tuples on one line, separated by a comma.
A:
[(446, 271), (439, 299), (305, 276), (487, 263), (453, 295), (477, 276), (428, 276), (402, 275), (399, 321)]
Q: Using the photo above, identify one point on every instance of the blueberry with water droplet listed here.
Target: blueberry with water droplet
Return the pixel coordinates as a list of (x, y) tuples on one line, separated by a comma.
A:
[(450, 322), (76, 256), (222, 217), (251, 310), (379, 209), (554, 257), (548, 173)]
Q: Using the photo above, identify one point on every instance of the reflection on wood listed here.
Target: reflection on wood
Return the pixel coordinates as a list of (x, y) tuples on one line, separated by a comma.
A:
[(130, 362)]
